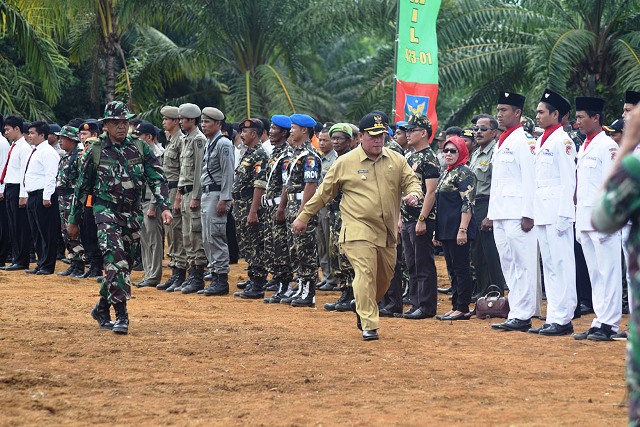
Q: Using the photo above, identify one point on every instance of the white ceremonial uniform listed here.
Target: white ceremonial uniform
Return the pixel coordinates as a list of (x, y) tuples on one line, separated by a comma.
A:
[(553, 215), (17, 163), (512, 191), (601, 251), (4, 154)]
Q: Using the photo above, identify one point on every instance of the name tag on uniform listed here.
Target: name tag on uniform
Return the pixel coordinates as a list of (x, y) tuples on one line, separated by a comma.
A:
[(363, 171)]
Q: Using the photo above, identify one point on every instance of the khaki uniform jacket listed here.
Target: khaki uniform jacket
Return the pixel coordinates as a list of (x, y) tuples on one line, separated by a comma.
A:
[(371, 192)]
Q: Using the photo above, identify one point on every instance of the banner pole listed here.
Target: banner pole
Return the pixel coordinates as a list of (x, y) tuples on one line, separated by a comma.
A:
[(395, 62)]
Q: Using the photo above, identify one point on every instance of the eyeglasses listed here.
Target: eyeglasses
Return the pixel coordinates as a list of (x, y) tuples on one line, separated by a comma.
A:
[(338, 138), (481, 128), (450, 150)]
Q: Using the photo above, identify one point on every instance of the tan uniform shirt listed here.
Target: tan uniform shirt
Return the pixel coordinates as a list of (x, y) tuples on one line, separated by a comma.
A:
[(191, 161), (371, 190), (172, 151), (481, 166)]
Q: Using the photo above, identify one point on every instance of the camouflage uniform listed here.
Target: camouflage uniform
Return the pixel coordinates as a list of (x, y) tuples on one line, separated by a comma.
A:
[(68, 171), (343, 270), (116, 185), (304, 166), (392, 145), (251, 173), (276, 243)]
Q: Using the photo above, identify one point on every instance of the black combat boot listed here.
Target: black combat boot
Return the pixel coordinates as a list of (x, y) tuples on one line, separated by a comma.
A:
[(79, 270), (101, 314), (170, 281), (307, 296), (344, 297), (178, 285), (197, 283), (345, 305), (94, 271), (292, 293), (73, 269), (283, 286), (272, 285), (254, 290), (121, 326), (244, 284), (220, 286)]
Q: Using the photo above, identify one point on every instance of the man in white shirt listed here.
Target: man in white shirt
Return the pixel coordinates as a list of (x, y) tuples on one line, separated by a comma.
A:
[(5, 243), (41, 172), (15, 195)]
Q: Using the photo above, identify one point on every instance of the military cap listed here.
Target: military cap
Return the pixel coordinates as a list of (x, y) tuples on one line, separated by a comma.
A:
[(416, 121), (92, 125), (402, 125), (146, 127), (281, 121), (557, 101), (170, 112), (341, 127), (512, 98), (116, 110), (189, 111), (468, 133), (54, 127), (385, 118), (631, 97), (373, 123), (213, 113), (614, 127), (251, 124), (528, 124), (441, 136), (303, 120), (69, 132), (588, 103), (354, 128)]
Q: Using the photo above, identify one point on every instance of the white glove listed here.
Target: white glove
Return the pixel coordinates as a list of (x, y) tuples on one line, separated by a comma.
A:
[(563, 224)]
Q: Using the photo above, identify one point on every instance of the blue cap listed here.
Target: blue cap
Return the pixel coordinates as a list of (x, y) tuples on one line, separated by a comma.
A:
[(390, 130), (303, 120), (281, 120), (54, 127), (401, 125)]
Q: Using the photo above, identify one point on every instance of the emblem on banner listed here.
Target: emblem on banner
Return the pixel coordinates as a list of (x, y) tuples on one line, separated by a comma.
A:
[(416, 105)]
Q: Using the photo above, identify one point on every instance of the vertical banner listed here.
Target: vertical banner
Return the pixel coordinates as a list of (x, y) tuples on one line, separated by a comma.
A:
[(417, 60)]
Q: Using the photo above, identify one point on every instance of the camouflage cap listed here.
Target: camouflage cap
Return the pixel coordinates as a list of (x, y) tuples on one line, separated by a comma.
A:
[(69, 132), (528, 124), (419, 122), (116, 110)]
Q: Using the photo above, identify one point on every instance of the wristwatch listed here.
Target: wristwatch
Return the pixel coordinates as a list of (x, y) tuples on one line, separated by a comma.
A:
[(421, 218)]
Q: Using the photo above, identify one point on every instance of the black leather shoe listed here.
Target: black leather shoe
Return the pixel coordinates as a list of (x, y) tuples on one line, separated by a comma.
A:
[(44, 272), (32, 271), (145, 284), (460, 316), (584, 335), (445, 290), (585, 309), (604, 333), (416, 315), (320, 284), (216, 289), (555, 330), (14, 267), (513, 325), (537, 330), (327, 287), (370, 335), (387, 312)]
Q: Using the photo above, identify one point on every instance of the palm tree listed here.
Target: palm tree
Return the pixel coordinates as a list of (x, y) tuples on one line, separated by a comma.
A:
[(32, 68)]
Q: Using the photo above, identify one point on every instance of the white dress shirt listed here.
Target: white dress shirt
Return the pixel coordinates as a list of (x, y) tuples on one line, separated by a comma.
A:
[(17, 163), (4, 153), (42, 170)]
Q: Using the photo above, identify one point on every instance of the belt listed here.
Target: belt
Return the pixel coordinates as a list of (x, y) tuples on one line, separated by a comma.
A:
[(211, 187), (294, 196), (34, 192), (172, 184), (482, 198), (185, 189), (246, 194), (118, 207), (271, 202)]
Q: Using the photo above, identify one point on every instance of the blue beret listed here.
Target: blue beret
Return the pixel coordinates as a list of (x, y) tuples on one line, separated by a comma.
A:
[(281, 121), (401, 125), (303, 120), (389, 131)]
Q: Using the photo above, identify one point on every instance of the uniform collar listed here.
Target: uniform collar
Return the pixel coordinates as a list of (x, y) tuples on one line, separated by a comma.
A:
[(363, 156)]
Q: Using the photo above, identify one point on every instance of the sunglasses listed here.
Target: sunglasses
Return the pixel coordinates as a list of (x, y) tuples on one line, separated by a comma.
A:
[(450, 150), (481, 128)]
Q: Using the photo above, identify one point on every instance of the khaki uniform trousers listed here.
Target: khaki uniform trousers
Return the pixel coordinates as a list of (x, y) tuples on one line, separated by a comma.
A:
[(152, 243), (373, 266), (192, 233), (177, 253)]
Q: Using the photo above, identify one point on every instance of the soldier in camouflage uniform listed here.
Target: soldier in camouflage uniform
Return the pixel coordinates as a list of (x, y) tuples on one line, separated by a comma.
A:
[(341, 135), (418, 225), (612, 209), (171, 166), (188, 197), (276, 241), (114, 170), (68, 170), (303, 175), (248, 189)]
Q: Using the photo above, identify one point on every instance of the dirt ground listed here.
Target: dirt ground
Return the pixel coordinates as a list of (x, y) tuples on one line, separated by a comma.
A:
[(195, 360)]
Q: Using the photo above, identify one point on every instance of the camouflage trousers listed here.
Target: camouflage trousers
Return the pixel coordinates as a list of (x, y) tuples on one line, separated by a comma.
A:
[(251, 239), (119, 246), (74, 246), (304, 249), (339, 262), (276, 247), (633, 340)]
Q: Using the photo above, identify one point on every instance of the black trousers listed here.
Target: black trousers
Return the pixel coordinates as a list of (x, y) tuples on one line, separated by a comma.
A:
[(232, 239), (19, 230), (458, 262), (89, 239), (392, 300), (5, 240), (44, 222), (423, 277)]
